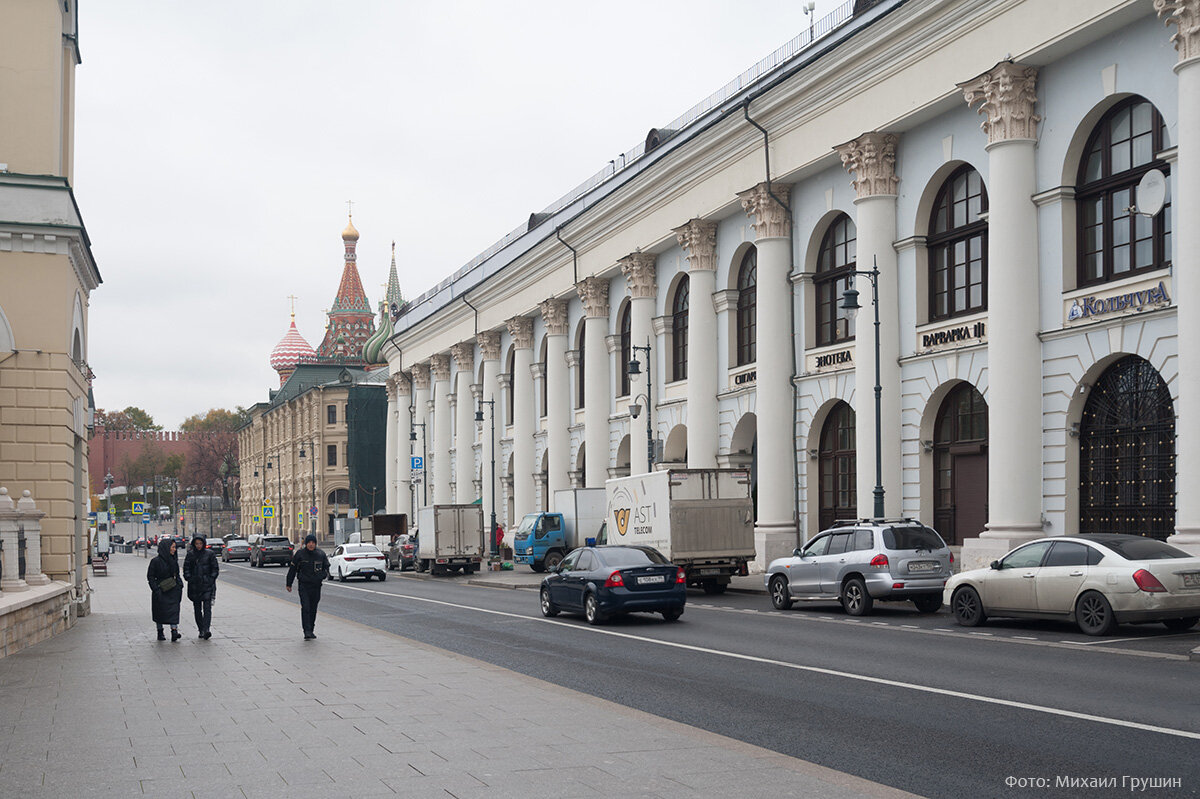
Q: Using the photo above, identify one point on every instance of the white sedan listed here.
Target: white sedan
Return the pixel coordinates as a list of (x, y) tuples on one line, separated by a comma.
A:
[(1096, 581), (357, 560)]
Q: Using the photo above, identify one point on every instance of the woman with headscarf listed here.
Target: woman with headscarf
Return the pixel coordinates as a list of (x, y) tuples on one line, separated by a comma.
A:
[(166, 589), (200, 569)]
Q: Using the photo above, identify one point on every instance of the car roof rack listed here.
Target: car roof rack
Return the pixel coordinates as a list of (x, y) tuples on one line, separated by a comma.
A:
[(892, 520)]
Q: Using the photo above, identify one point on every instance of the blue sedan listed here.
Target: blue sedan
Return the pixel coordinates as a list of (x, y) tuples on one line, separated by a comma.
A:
[(608, 580)]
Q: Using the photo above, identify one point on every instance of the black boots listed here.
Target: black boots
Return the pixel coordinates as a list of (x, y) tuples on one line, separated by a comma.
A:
[(161, 637), (175, 636)]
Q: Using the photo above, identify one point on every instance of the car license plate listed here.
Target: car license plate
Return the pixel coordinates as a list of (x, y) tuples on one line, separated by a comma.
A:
[(658, 578), (1191, 579), (922, 566), (710, 571)]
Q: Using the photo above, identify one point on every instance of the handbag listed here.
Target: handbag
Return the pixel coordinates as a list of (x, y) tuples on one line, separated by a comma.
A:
[(167, 584)]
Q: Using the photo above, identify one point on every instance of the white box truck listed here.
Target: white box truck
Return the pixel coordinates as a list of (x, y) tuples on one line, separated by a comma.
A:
[(450, 539), (543, 539), (701, 519)]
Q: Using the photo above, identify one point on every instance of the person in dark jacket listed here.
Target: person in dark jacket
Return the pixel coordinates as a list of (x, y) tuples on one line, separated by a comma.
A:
[(166, 589), (200, 569), (311, 565)]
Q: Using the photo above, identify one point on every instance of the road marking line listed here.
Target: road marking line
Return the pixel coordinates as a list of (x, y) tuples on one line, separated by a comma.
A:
[(1026, 637), (928, 689)]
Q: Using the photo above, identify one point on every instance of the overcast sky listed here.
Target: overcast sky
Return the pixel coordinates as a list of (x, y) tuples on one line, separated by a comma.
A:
[(217, 143)]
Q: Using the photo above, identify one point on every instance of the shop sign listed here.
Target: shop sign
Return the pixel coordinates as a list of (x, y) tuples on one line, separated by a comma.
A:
[(831, 360), (745, 377), (1086, 307), (953, 335)]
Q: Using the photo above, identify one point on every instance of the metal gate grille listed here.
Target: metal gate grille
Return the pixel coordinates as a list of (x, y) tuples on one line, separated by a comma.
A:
[(1127, 453)]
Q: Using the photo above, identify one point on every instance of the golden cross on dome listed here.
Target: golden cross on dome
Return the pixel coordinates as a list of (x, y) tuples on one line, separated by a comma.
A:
[(350, 207), (293, 298)]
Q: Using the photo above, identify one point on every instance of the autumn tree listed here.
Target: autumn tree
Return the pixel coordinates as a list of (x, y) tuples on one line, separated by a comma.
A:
[(132, 418), (213, 456)]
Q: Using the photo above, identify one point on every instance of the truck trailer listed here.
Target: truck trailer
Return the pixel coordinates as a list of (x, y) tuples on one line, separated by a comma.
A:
[(450, 539)]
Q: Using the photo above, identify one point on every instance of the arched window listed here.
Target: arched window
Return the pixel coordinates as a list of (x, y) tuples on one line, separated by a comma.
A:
[(747, 305), (838, 459), (626, 341), (512, 367), (1114, 243), (836, 263), (580, 372), (340, 496), (679, 330), (958, 246)]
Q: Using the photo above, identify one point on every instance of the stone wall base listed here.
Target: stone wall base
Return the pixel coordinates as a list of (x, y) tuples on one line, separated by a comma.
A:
[(771, 541), (27, 617)]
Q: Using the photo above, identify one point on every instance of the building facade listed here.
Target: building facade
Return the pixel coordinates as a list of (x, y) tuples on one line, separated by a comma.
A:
[(47, 274), (1002, 180)]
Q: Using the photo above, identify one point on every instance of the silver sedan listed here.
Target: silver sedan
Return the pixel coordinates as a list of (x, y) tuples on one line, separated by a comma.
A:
[(1096, 581)]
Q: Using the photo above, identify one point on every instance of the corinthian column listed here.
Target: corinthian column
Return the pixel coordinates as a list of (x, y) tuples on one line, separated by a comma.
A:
[(489, 353), (420, 397), (558, 398), (775, 529), (698, 238), (593, 292), (464, 423), (440, 366), (391, 433), (402, 454), (1007, 94), (524, 414), (639, 271), (872, 159), (1185, 201)]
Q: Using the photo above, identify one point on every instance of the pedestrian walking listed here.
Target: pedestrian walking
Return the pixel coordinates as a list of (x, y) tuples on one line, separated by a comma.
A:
[(200, 569), (311, 565), (166, 589)]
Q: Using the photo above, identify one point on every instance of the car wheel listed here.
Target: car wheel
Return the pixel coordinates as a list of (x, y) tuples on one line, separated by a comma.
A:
[(552, 559), (713, 587), (591, 610), (549, 609), (1180, 625), (672, 615), (781, 597), (382, 577), (967, 607), (1094, 615), (855, 599), (420, 566), (341, 575), (930, 603), (538, 566)]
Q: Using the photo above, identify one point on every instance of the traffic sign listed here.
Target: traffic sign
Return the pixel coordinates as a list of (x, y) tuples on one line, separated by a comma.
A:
[(313, 510), (145, 518), (268, 511), (139, 508), (300, 517), (418, 462), (257, 519)]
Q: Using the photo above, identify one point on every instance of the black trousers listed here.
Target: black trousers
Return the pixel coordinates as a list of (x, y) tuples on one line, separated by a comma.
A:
[(310, 597), (203, 609)]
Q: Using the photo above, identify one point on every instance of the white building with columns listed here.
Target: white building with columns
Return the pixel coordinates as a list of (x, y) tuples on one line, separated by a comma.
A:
[(984, 156)]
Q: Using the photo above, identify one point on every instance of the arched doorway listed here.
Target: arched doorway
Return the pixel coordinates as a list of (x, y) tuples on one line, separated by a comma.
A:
[(743, 452), (960, 465), (1127, 453), (837, 464), (338, 503)]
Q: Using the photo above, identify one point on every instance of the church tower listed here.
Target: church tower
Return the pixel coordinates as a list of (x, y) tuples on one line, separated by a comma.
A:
[(351, 321)]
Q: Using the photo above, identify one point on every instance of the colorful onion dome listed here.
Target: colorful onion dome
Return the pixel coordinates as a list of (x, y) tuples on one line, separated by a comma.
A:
[(372, 349), (291, 350)]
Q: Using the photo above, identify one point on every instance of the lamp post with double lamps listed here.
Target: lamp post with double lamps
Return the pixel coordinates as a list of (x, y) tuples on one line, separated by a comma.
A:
[(851, 307), (263, 504), (412, 436), (634, 409), (494, 546)]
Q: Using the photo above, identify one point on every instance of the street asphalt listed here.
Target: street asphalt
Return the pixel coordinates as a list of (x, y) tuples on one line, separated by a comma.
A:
[(106, 710)]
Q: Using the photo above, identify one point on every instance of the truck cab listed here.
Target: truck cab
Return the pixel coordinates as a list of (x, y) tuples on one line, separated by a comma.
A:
[(540, 541)]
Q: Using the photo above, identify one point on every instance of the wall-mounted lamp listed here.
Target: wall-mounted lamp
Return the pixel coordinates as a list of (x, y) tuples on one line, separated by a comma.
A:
[(1074, 431), (1083, 388), (812, 454), (927, 446)]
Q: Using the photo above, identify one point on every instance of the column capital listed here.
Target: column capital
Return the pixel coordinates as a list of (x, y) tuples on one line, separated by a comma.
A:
[(477, 392), (572, 359), (398, 385), (420, 376), (464, 356), (593, 292), (489, 345), (1006, 94), (638, 268), (537, 371), (521, 330), (771, 219), (698, 238), (440, 366), (872, 159), (554, 312), (1185, 16)]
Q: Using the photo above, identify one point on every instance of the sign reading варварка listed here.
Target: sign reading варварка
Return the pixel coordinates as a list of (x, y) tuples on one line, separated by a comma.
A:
[(1083, 309)]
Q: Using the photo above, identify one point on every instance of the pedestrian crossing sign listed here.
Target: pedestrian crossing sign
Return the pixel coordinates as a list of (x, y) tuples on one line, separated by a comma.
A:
[(139, 508), (257, 519), (268, 511), (300, 517)]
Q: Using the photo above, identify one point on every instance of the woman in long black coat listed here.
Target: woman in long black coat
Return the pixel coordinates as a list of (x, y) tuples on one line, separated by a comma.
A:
[(164, 601), (200, 569)]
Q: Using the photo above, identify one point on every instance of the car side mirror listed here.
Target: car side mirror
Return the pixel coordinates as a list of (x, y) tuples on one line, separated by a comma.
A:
[(995, 564), (796, 553)]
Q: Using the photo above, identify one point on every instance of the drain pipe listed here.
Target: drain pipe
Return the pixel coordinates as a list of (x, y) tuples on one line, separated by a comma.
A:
[(791, 311), (476, 310), (574, 256)]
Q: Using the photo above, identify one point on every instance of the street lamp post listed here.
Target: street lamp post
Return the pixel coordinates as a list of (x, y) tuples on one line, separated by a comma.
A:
[(279, 507), (312, 509), (263, 504), (412, 436), (635, 369), (851, 307), (493, 547)]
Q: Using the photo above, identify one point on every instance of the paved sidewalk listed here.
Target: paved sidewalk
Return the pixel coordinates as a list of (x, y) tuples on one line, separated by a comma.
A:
[(105, 710)]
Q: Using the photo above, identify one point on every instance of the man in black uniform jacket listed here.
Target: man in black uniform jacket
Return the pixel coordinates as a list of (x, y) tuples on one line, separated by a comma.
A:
[(312, 566)]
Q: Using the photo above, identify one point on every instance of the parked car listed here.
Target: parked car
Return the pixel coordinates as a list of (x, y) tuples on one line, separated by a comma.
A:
[(859, 562), (215, 544), (1096, 581), (236, 549), (164, 512), (271, 549), (357, 560), (605, 581), (402, 554)]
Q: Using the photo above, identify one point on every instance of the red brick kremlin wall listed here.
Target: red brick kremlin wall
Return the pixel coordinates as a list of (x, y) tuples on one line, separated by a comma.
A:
[(107, 450)]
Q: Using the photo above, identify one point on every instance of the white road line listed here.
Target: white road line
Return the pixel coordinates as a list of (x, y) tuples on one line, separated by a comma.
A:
[(1026, 637), (928, 689)]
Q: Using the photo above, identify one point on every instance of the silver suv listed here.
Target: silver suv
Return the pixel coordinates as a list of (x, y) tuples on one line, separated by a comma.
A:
[(858, 562)]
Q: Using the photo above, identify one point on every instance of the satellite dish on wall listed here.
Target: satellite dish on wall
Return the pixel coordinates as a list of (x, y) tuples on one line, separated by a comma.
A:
[(1151, 193)]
